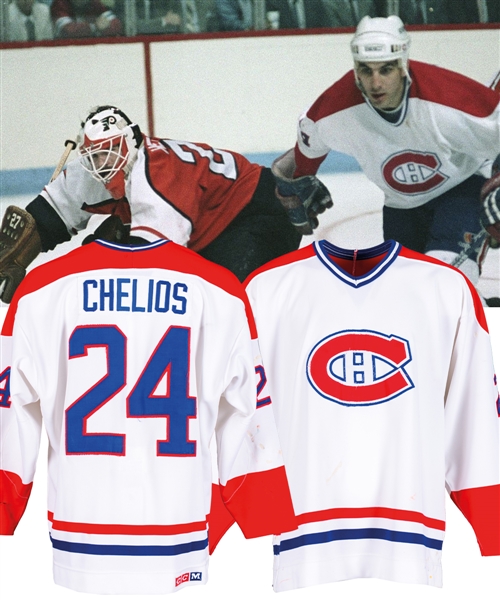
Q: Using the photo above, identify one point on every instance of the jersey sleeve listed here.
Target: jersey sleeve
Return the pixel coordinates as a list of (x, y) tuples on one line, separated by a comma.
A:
[(310, 151), (472, 429), (70, 192), (311, 148), (20, 429), (253, 489)]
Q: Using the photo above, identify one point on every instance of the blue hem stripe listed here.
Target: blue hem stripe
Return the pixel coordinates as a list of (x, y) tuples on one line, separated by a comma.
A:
[(121, 550), (357, 534)]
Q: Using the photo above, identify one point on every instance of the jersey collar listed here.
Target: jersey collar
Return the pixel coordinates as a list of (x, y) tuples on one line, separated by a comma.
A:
[(129, 248), (390, 248)]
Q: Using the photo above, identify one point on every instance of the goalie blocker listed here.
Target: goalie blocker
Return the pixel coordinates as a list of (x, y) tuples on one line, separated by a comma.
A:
[(303, 198)]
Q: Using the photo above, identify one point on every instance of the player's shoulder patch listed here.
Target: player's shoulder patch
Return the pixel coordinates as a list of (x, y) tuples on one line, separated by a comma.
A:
[(451, 89), (343, 94)]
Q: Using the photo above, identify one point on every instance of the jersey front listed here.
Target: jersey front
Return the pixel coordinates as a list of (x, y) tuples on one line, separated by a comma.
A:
[(181, 191), (135, 358), (381, 373), (449, 130)]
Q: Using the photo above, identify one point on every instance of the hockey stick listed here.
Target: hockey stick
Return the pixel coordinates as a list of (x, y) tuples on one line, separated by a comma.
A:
[(70, 145), (495, 84)]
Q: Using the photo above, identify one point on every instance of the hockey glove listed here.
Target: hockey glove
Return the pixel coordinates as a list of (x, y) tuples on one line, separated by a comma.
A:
[(490, 210), (111, 229), (303, 198), (20, 244)]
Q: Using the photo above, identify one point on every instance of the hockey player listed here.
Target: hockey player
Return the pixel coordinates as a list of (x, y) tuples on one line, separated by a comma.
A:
[(425, 135), (214, 201)]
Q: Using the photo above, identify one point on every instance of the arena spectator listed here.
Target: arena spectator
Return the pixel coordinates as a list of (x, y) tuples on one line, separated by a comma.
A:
[(300, 14), (430, 12), (163, 16), (348, 13), (427, 12), (234, 15), (238, 15), (29, 21), (84, 18), (483, 11)]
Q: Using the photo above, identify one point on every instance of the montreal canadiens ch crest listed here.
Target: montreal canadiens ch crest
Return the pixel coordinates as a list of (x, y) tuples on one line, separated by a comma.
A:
[(360, 367), (412, 172)]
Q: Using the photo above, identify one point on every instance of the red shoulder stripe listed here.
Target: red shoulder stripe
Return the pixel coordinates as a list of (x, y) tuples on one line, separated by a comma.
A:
[(478, 306), (97, 256), (286, 259), (343, 94), (448, 88)]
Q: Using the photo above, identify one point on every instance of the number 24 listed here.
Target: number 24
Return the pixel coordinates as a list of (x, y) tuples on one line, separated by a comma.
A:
[(171, 356)]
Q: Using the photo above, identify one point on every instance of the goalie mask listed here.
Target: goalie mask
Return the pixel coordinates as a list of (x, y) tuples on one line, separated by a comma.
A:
[(108, 148), (381, 40)]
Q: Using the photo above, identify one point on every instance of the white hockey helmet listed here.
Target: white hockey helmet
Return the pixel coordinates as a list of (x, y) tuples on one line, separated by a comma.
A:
[(108, 143), (381, 39)]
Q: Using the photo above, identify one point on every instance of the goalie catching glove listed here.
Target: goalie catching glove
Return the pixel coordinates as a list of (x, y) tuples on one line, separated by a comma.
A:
[(490, 210), (303, 198), (20, 244)]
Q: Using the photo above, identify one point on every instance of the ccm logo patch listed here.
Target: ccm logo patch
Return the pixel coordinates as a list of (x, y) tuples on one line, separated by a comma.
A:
[(194, 576), (411, 172), (360, 367)]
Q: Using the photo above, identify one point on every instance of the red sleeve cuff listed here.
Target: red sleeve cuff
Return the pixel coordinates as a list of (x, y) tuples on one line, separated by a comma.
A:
[(14, 495), (304, 165), (261, 503), (220, 519), (481, 507)]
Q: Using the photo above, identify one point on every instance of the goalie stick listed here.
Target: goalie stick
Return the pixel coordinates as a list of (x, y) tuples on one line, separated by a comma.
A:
[(69, 146)]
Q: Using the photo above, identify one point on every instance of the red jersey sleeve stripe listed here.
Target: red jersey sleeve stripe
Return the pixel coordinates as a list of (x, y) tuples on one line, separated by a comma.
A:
[(14, 496), (481, 507)]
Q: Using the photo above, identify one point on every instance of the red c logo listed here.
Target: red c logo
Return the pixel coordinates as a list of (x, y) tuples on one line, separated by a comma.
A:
[(360, 367), (412, 172)]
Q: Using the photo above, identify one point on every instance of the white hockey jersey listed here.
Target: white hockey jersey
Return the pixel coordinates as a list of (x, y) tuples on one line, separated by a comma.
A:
[(448, 131), (381, 374), (133, 357)]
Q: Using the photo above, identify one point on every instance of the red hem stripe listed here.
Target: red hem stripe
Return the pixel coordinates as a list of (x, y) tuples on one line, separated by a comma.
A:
[(394, 514), (115, 529)]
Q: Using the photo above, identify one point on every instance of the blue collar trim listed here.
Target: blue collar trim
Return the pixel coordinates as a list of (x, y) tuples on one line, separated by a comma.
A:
[(128, 248), (391, 248)]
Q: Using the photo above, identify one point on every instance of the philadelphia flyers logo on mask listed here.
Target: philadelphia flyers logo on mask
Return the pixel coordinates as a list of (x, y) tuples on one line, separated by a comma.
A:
[(360, 367), (412, 172)]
